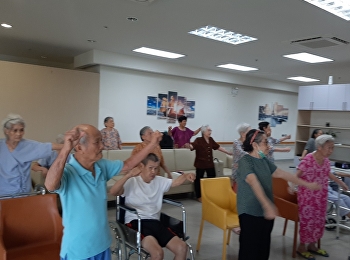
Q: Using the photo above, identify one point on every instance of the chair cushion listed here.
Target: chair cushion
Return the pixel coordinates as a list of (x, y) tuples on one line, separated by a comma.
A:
[(232, 219), (37, 252), (184, 159)]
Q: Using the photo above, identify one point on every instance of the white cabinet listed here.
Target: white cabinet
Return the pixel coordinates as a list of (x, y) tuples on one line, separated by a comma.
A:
[(313, 97), (339, 97), (324, 97)]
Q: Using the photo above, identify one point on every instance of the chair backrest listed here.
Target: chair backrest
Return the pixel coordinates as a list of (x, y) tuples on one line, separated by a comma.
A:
[(280, 190), (219, 191), (30, 220)]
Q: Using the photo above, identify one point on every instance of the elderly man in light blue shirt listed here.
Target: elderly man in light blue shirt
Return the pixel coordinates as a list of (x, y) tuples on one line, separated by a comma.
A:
[(81, 185)]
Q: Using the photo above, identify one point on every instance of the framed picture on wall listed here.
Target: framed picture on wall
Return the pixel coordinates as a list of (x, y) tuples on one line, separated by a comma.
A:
[(151, 106), (190, 108), (172, 101), (162, 105)]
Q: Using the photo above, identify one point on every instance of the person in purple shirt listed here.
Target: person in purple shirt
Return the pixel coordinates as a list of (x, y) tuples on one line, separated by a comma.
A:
[(181, 134)]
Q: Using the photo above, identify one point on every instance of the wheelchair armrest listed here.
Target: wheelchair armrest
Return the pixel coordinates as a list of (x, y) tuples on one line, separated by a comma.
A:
[(127, 208), (173, 202)]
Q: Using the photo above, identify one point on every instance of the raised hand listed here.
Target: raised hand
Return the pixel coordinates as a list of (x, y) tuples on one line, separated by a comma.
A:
[(72, 137)]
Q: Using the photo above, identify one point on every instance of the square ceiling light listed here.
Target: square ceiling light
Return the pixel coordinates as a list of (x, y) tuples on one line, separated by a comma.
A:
[(154, 52), (236, 67), (339, 8), (303, 79), (307, 57), (221, 35)]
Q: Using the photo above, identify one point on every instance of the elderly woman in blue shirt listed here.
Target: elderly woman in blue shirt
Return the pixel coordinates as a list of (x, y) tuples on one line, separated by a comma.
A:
[(16, 156)]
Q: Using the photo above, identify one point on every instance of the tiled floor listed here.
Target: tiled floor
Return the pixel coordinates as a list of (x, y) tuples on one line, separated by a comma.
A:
[(281, 246)]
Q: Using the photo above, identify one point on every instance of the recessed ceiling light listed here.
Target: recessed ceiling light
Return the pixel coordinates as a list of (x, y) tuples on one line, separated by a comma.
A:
[(303, 79), (307, 57), (339, 8), (91, 41), (159, 53), (132, 19), (236, 67), (222, 35), (5, 25)]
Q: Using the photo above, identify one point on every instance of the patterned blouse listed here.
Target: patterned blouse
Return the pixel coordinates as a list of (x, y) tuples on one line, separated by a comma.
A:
[(272, 141), (111, 139), (237, 153)]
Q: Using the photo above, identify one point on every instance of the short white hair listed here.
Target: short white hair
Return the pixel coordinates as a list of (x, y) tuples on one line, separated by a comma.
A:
[(242, 128), (12, 119), (322, 139), (204, 128)]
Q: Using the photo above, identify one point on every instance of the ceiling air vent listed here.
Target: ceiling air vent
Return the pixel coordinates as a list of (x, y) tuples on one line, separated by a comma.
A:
[(320, 42)]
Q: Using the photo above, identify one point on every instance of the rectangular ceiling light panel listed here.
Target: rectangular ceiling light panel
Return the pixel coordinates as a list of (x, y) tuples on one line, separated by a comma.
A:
[(222, 35), (236, 67), (154, 52), (339, 8), (303, 79), (307, 57)]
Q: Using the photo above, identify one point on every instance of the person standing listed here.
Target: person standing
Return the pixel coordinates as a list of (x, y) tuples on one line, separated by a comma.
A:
[(204, 161), (312, 205), (310, 145), (181, 134), (255, 198), (16, 156), (110, 136), (81, 185), (265, 126)]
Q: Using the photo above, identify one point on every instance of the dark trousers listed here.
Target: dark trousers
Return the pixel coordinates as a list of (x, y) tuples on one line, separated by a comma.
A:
[(199, 176), (255, 237)]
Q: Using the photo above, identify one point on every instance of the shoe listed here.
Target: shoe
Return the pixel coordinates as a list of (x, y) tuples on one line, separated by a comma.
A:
[(320, 252), (306, 255)]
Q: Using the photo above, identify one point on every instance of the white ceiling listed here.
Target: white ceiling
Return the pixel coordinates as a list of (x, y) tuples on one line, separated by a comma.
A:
[(59, 30)]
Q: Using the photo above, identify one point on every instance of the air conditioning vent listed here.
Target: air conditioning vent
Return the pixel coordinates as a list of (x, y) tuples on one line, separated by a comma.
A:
[(320, 42)]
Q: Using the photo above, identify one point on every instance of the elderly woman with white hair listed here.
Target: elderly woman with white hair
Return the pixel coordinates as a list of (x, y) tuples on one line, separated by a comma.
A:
[(238, 151), (16, 156), (204, 147), (312, 204)]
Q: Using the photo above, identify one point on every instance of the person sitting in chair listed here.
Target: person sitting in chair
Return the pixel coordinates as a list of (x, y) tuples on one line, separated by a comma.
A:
[(144, 191)]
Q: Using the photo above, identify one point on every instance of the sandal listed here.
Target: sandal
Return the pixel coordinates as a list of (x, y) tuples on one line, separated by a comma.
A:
[(306, 255), (320, 252)]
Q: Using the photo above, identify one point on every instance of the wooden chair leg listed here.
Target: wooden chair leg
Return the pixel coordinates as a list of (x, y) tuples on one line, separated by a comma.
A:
[(224, 245), (285, 227), (295, 239), (200, 235)]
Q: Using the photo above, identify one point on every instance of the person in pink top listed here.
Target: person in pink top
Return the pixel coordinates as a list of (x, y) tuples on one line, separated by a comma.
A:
[(181, 134), (315, 167)]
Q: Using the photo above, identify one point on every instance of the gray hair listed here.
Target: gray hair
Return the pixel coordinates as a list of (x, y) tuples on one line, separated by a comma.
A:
[(12, 119), (242, 128), (322, 139), (204, 128), (60, 139), (143, 131)]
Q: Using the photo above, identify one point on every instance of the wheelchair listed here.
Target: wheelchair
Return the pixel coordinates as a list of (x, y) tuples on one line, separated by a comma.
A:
[(128, 241)]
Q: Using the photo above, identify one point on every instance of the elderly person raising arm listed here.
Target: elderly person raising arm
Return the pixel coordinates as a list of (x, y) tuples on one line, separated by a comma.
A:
[(16, 156), (204, 162), (81, 184), (146, 136), (254, 196)]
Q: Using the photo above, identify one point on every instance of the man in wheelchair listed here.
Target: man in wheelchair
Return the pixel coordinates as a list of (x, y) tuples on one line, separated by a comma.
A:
[(144, 191)]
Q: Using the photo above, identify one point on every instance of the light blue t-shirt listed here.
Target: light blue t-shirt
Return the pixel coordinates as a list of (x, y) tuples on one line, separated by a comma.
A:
[(84, 205), (15, 165)]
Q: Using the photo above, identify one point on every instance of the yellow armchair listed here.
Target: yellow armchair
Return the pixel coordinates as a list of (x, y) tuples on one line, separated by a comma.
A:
[(218, 208)]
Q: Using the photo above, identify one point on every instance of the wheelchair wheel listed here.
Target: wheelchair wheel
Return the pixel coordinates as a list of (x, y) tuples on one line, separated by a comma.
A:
[(118, 247), (331, 221)]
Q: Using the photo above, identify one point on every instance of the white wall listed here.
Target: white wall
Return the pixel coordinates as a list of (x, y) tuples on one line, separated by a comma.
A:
[(123, 95)]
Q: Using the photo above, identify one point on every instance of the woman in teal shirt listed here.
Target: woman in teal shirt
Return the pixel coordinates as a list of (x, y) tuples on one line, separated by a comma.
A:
[(254, 196)]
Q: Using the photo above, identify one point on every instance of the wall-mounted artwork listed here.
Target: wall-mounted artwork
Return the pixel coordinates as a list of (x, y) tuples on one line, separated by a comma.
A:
[(274, 113), (151, 105), (170, 106)]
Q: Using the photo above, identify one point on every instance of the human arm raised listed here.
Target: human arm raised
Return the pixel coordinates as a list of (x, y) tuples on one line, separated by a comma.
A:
[(224, 150), (118, 188), (56, 146), (285, 138), (38, 168), (135, 159), (279, 173), (195, 132), (181, 179), (169, 131), (54, 175), (282, 149)]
